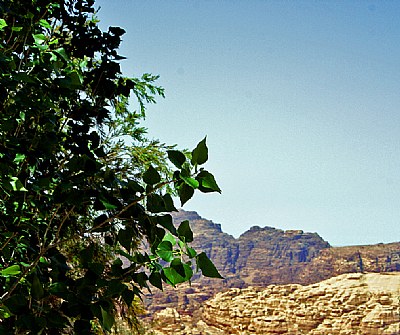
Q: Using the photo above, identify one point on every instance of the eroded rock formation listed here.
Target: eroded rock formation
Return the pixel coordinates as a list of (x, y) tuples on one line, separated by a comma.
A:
[(264, 256), (350, 304)]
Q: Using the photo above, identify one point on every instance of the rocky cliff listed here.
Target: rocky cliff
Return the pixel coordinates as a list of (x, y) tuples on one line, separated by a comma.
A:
[(351, 304), (264, 256)]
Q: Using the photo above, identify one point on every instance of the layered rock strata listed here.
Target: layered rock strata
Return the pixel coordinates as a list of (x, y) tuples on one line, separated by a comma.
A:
[(264, 256), (350, 304)]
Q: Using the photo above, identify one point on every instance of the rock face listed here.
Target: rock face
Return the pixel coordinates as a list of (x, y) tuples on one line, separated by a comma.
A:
[(264, 256), (350, 304)]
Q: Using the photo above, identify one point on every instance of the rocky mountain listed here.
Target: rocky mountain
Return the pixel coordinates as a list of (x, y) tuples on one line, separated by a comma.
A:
[(265, 256), (352, 304)]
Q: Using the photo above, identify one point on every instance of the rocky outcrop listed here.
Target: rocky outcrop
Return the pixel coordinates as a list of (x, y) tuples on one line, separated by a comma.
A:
[(351, 304), (264, 256)]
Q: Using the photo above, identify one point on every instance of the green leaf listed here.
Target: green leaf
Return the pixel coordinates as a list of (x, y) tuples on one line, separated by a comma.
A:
[(108, 319), (190, 181), (107, 204), (4, 314), (168, 237), (184, 232), (166, 222), (207, 267), (169, 203), (19, 158), (155, 203), (37, 288), (155, 279), (200, 153), (176, 157), (44, 24), (185, 193), (62, 53), (151, 176), (178, 272), (207, 182), (125, 237), (16, 185), (39, 38), (3, 24), (164, 250), (12, 270), (191, 252)]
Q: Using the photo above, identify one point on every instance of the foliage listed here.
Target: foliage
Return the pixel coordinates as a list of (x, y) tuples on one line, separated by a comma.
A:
[(80, 185)]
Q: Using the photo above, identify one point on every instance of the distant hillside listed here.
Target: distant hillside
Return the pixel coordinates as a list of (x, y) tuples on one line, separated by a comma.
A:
[(264, 256)]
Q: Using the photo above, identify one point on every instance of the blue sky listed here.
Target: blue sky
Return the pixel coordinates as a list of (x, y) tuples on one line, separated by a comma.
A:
[(299, 101)]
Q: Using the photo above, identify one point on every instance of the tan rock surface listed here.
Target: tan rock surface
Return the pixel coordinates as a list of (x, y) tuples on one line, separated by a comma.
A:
[(264, 256), (350, 304)]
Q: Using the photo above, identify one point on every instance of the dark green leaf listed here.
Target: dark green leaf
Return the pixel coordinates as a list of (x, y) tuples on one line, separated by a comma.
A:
[(200, 153), (155, 203), (125, 237), (166, 222), (155, 279), (184, 232), (207, 267), (37, 288), (191, 252), (185, 193), (151, 176), (207, 182), (169, 203), (176, 157), (107, 319)]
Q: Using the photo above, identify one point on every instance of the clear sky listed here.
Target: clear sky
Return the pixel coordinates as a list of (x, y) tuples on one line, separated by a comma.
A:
[(300, 102)]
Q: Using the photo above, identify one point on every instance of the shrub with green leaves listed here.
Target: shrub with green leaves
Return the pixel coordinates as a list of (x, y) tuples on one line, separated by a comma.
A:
[(81, 187)]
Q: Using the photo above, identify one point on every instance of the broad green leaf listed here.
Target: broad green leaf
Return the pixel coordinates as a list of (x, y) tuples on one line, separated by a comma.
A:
[(191, 252), (128, 297), (37, 288), (155, 203), (155, 279), (176, 157), (108, 319), (44, 24), (190, 181), (185, 193), (39, 38), (200, 153), (178, 272), (12, 270), (62, 53), (184, 232), (166, 222), (169, 203), (16, 185), (151, 176), (19, 158), (125, 237), (207, 267), (168, 237), (16, 28), (3, 24), (164, 250), (207, 182)]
